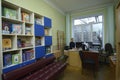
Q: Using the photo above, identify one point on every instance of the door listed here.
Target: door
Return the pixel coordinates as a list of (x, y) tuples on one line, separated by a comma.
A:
[(118, 42)]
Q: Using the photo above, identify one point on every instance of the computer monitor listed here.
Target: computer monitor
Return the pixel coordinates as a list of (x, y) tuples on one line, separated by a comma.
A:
[(78, 44)]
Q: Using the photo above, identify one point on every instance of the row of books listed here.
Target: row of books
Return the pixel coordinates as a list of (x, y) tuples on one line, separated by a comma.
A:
[(9, 28), (23, 43), (14, 58), (27, 55), (11, 58), (12, 13)]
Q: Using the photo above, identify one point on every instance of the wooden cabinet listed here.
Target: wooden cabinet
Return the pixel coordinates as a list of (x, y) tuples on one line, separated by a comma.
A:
[(118, 42)]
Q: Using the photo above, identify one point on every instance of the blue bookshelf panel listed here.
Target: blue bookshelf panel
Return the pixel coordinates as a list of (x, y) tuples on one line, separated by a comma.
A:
[(48, 40), (39, 52), (39, 30), (47, 22), (11, 68), (17, 66)]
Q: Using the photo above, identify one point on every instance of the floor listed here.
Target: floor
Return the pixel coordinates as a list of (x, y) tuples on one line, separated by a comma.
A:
[(105, 72)]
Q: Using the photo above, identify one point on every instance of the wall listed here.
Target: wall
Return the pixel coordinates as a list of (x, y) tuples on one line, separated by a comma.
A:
[(39, 6), (107, 12)]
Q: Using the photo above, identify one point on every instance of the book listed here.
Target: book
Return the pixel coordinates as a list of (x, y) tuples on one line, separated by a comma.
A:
[(19, 44), (46, 32), (38, 21), (25, 17), (15, 58), (31, 53), (6, 44), (28, 30), (37, 41), (7, 59), (9, 13), (6, 27), (27, 55), (23, 57), (16, 29)]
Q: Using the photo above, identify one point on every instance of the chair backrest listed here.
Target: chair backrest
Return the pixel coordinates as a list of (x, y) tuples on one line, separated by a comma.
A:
[(108, 48), (90, 57)]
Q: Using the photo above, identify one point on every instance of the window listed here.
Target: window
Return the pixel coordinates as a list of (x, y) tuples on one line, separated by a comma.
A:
[(88, 29)]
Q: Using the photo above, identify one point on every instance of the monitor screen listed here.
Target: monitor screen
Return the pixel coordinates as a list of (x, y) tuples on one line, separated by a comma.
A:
[(78, 44)]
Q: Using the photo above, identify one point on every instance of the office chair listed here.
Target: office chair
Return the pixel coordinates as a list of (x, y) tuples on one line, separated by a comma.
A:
[(108, 52), (89, 59), (66, 47)]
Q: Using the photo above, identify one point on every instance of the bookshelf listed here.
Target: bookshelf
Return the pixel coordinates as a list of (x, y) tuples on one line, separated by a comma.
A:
[(48, 37), (25, 36)]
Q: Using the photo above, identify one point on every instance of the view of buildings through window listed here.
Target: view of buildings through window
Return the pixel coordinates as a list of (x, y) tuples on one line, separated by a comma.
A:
[(88, 29)]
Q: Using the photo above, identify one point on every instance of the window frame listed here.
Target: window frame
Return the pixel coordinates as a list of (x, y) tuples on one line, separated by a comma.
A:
[(91, 25)]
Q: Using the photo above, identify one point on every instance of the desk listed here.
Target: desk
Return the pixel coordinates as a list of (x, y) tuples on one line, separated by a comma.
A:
[(112, 61), (74, 58)]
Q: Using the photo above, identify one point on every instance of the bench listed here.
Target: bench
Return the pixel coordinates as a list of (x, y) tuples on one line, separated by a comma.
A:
[(44, 69)]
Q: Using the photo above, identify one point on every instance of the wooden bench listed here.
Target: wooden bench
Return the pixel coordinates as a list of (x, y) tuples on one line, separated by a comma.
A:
[(44, 69)]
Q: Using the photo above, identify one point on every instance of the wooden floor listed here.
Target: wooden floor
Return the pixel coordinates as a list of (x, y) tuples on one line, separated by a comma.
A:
[(105, 72)]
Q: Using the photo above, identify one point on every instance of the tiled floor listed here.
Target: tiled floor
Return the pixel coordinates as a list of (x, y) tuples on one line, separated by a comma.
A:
[(105, 72)]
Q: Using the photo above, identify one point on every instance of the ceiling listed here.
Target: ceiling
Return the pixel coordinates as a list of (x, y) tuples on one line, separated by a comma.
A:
[(74, 5)]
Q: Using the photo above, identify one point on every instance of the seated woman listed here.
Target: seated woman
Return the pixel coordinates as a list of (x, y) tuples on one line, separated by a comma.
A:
[(85, 46), (72, 44)]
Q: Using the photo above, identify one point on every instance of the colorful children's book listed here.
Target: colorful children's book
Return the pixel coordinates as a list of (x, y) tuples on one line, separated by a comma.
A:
[(38, 21), (46, 31), (16, 29), (7, 59), (6, 43), (23, 57), (9, 13), (15, 58), (37, 41), (27, 30), (19, 44), (6, 27), (31, 53), (25, 17)]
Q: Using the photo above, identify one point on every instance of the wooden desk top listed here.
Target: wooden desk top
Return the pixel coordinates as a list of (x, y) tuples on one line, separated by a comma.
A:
[(113, 60)]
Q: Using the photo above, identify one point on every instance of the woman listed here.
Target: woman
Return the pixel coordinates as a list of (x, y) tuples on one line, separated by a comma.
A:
[(72, 44)]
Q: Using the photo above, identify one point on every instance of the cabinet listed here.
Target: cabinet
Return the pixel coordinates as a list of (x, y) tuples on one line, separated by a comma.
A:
[(118, 42), (25, 36)]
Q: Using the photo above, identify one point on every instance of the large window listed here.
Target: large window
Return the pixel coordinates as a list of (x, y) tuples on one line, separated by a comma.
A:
[(88, 29)]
